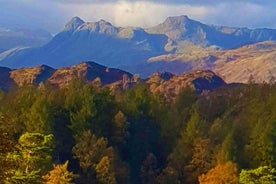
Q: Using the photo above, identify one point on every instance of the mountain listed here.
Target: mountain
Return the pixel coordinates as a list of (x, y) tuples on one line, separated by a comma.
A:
[(171, 85), (182, 28), (256, 61), (177, 45), (89, 71), (166, 83), (11, 38), (233, 65), (99, 41)]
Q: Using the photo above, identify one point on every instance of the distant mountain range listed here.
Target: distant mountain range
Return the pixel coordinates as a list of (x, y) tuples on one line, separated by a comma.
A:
[(11, 38), (177, 45)]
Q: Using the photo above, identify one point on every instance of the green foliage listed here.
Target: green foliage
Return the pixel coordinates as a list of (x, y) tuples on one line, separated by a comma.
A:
[(137, 137), (261, 175), (89, 150), (39, 116), (32, 157)]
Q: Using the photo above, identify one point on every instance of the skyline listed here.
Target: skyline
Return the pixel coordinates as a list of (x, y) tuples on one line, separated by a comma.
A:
[(52, 15)]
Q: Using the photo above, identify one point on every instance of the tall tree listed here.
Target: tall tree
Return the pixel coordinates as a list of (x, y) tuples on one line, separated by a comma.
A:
[(59, 175), (33, 158), (105, 172)]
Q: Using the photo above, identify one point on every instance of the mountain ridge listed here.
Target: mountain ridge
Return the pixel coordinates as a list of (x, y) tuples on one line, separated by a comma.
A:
[(136, 49)]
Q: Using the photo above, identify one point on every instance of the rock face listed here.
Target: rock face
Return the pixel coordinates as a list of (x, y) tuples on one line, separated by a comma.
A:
[(170, 85)]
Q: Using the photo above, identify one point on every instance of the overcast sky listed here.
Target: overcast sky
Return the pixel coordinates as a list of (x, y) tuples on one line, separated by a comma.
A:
[(52, 15)]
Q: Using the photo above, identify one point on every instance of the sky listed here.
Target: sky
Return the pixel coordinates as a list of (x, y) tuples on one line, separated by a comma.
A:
[(52, 15)]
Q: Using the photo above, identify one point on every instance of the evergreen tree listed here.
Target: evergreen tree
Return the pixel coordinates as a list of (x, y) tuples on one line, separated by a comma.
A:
[(105, 172), (59, 175), (33, 158)]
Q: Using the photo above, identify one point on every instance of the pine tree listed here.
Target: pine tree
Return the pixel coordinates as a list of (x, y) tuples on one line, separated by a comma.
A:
[(32, 158), (59, 175), (104, 172)]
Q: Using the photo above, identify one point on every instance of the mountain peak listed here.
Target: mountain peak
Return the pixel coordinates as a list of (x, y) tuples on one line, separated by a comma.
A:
[(100, 26), (177, 21), (180, 18), (74, 23)]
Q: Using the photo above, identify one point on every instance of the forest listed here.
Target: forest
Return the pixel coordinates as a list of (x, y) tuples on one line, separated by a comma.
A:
[(85, 134)]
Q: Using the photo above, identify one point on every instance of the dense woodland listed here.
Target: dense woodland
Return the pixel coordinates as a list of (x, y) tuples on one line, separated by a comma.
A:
[(87, 134)]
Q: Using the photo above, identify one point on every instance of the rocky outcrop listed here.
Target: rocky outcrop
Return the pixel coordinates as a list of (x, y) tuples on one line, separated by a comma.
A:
[(89, 71), (171, 86)]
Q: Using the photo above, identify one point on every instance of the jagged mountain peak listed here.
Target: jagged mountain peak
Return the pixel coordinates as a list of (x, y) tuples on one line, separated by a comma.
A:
[(177, 19), (101, 26), (178, 28), (73, 24)]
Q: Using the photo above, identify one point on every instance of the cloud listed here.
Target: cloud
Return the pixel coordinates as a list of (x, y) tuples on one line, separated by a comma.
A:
[(53, 14)]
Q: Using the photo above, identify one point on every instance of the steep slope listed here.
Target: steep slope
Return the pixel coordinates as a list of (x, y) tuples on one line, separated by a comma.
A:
[(239, 65)]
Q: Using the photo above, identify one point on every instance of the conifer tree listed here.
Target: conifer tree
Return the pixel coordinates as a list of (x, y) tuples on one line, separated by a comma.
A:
[(59, 175), (104, 172)]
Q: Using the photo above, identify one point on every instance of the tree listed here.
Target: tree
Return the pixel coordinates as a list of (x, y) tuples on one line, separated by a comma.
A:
[(33, 158), (89, 150), (227, 150), (168, 175), (149, 169), (105, 172), (120, 128), (59, 175), (201, 161), (39, 117), (260, 150), (261, 175), (221, 174)]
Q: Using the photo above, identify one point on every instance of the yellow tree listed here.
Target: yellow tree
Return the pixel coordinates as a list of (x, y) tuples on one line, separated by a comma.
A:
[(221, 174), (59, 175), (104, 172)]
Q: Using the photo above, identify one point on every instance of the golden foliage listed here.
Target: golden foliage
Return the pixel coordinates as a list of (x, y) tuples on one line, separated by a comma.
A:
[(221, 174), (59, 175)]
